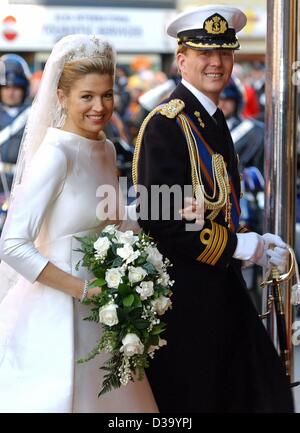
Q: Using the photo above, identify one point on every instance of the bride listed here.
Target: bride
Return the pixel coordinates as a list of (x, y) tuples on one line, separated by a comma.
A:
[(64, 157)]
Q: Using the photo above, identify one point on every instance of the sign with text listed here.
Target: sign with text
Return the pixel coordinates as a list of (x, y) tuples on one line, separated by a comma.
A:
[(38, 28)]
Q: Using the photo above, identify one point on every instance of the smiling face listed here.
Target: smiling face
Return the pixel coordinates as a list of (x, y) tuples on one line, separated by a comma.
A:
[(88, 105), (207, 70)]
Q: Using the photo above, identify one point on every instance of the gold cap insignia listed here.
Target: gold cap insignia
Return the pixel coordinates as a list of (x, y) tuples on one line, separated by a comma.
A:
[(215, 25)]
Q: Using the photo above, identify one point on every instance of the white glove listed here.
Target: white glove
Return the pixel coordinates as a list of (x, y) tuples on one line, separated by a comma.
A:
[(250, 247), (269, 238), (278, 256)]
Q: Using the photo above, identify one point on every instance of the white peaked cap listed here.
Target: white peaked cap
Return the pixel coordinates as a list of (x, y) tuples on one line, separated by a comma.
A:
[(212, 26)]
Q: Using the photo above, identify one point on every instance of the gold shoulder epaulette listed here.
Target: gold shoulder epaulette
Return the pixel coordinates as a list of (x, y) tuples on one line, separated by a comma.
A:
[(172, 108)]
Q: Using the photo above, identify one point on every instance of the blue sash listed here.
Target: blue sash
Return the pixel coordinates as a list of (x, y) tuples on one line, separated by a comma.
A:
[(205, 155)]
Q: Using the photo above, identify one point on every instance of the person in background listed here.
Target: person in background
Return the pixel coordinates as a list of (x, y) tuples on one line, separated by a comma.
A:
[(247, 134), (14, 109), (35, 83), (248, 139), (258, 76)]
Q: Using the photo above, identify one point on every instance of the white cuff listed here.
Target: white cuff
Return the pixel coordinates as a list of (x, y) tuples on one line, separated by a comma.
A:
[(249, 246)]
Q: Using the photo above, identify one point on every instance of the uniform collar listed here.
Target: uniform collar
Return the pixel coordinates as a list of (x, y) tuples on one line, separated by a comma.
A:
[(11, 111), (207, 103)]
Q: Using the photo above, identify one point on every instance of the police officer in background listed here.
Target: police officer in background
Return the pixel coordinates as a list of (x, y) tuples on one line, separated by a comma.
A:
[(219, 357), (248, 139), (247, 134), (14, 107)]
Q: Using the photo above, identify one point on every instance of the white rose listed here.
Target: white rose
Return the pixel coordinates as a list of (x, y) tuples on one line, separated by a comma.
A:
[(132, 345), (136, 274), (161, 304), (145, 289), (126, 237), (113, 277), (127, 253), (108, 314), (110, 229), (101, 246), (154, 257)]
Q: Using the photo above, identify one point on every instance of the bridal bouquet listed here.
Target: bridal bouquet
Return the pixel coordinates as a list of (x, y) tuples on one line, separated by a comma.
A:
[(135, 293)]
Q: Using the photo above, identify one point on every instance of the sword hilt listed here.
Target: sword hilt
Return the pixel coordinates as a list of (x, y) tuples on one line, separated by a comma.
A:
[(281, 277)]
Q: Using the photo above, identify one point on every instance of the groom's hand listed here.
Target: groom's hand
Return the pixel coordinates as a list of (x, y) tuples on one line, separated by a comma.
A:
[(276, 251), (193, 210)]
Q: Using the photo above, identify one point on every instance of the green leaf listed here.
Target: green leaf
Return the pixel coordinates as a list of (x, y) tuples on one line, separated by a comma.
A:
[(110, 382), (114, 248), (77, 265), (141, 324), (136, 313), (153, 340), (141, 260), (99, 273), (117, 262), (158, 329), (137, 301), (124, 289), (149, 268), (97, 283), (91, 354), (128, 300)]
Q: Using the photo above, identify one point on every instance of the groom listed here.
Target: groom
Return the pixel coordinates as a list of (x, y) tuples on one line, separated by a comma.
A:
[(219, 357)]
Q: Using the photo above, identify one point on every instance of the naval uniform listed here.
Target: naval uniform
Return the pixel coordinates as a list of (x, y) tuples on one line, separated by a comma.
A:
[(9, 147), (219, 357)]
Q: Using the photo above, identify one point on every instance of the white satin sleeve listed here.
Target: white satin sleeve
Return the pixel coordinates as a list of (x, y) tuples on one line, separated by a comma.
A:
[(130, 219), (47, 174)]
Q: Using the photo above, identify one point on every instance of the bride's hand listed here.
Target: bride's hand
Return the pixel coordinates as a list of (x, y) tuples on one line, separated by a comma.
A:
[(92, 291), (193, 210)]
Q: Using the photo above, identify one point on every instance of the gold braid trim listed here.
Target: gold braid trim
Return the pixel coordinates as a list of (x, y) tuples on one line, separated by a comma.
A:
[(242, 229), (138, 144), (170, 110), (215, 243), (221, 182), (231, 46)]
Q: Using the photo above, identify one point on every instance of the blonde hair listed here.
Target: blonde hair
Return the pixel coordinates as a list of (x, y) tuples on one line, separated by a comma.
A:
[(76, 69), (181, 49)]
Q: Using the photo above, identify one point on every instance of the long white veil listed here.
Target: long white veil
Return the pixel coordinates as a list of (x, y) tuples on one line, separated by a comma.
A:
[(46, 112)]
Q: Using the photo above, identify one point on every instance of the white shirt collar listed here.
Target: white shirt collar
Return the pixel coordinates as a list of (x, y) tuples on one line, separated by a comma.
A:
[(207, 103), (11, 111)]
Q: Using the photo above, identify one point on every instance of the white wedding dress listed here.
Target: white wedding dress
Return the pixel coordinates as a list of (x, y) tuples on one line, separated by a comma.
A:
[(42, 333)]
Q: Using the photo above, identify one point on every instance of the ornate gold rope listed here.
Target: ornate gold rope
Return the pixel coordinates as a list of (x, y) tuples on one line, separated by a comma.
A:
[(220, 176), (138, 144)]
